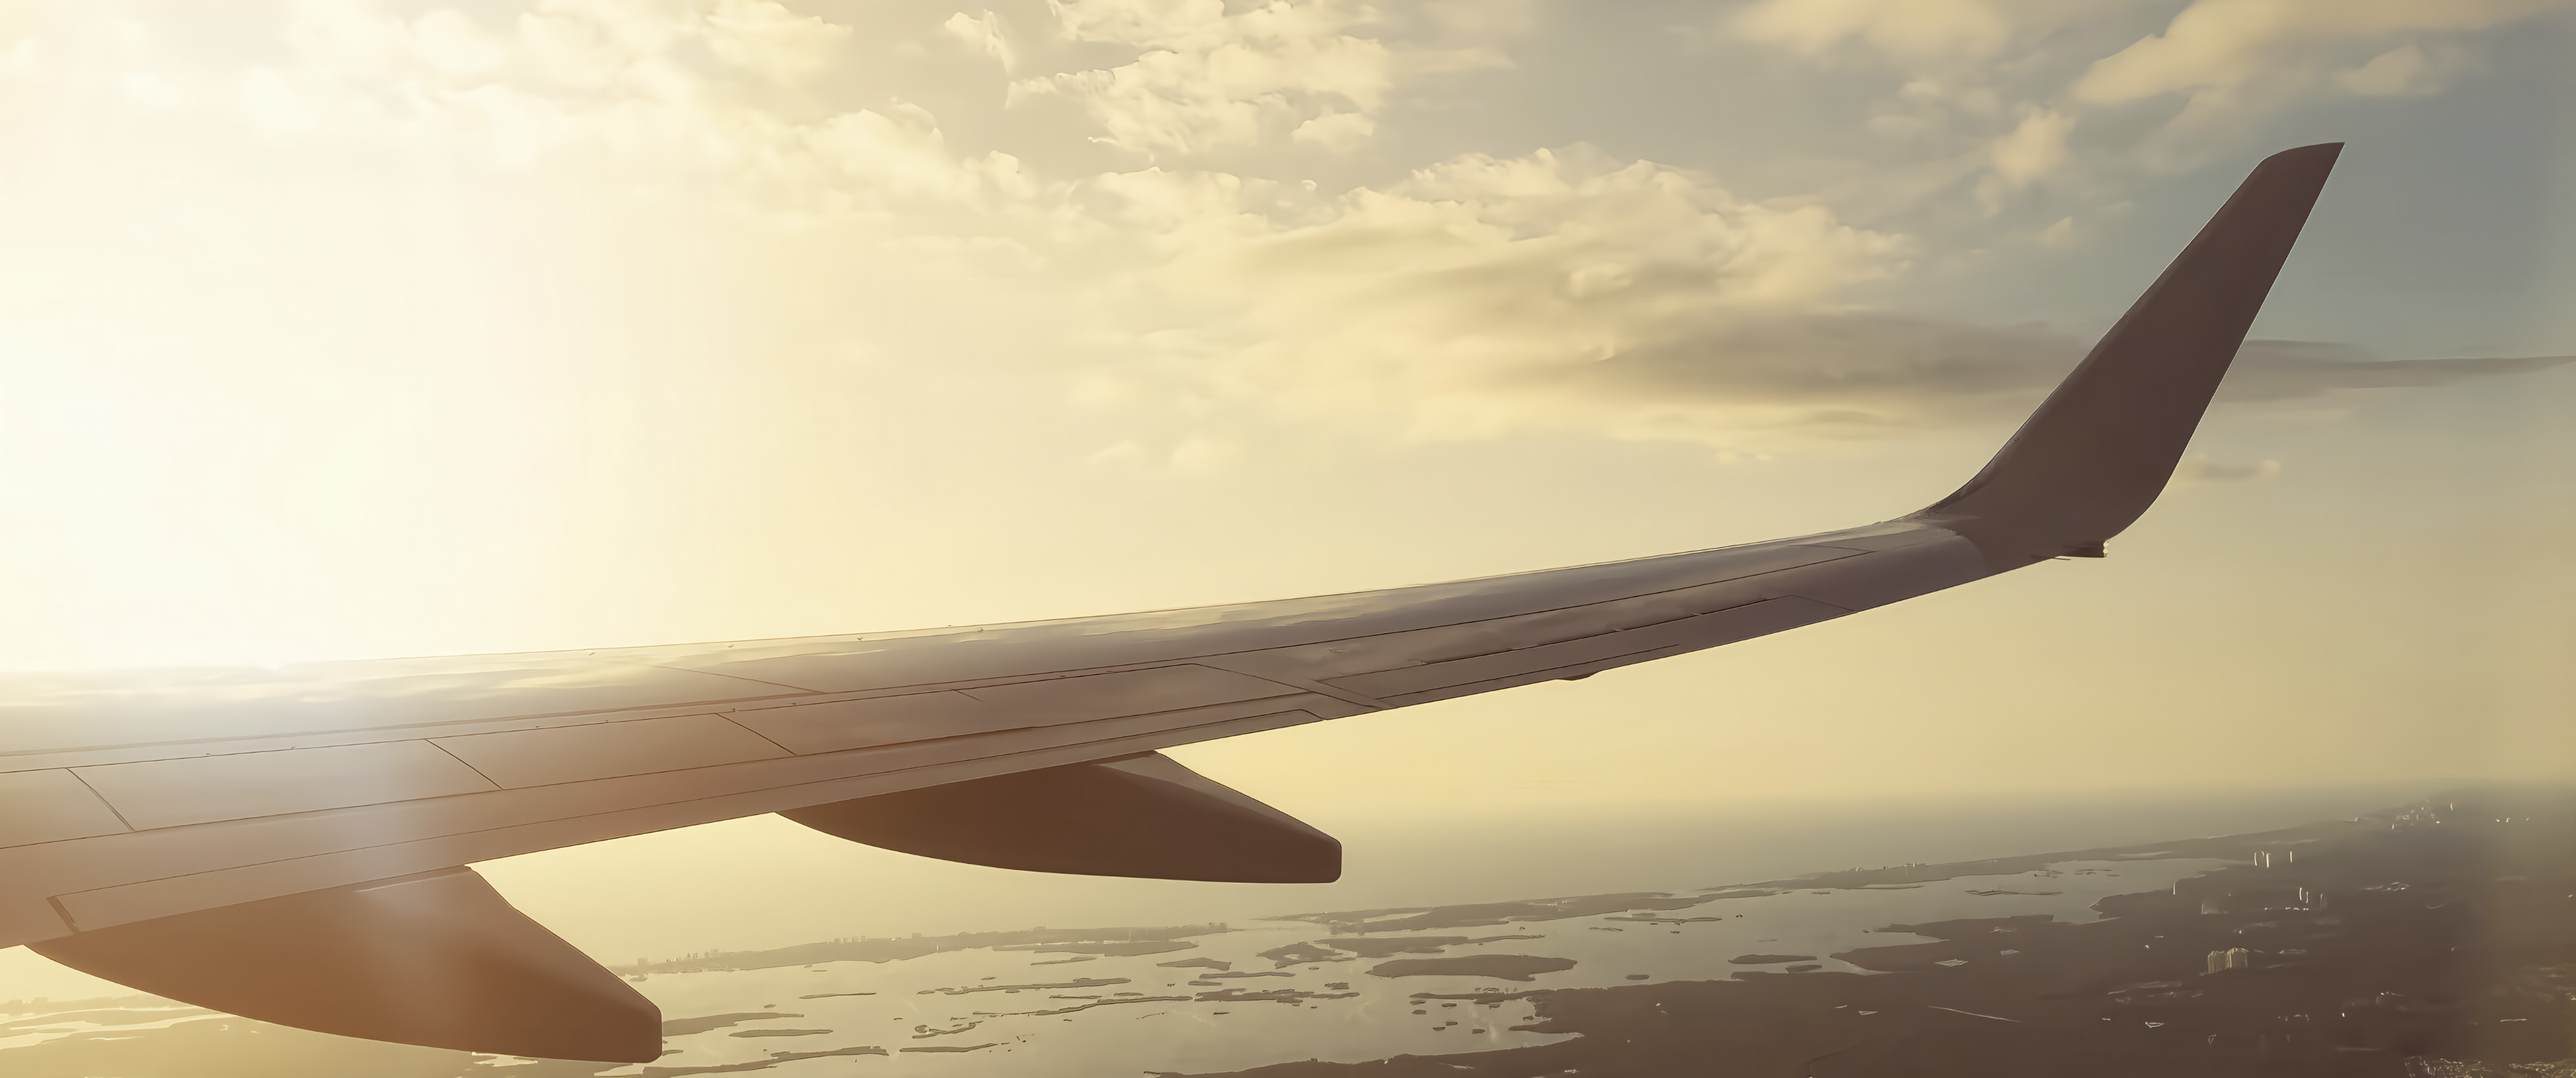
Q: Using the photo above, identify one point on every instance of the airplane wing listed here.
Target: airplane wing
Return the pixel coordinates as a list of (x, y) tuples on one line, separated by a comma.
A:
[(285, 843)]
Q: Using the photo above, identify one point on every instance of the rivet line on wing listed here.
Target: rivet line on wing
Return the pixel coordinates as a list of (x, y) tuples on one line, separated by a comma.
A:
[(1222, 662), (710, 673)]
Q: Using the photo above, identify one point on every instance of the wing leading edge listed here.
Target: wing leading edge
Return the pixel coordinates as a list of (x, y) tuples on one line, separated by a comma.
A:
[(138, 806)]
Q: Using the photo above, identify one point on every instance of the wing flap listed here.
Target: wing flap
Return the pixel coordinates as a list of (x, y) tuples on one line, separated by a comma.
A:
[(45, 890), (584, 780), (437, 959), (1141, 816)]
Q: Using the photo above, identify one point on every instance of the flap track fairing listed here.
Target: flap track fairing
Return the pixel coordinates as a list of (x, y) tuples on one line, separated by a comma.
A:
[(1142, 815), (437, 959)]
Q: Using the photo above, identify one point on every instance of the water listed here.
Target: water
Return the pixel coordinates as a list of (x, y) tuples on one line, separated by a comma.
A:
[(1374, 1022), (734, 887), (763, 882)]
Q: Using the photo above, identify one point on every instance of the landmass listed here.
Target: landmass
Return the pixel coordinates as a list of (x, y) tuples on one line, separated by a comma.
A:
[(2434, 941), (1509, 967), (1303, 954), (1120, 947), (1120, 941), (113, 1016), (1316, 952), (682, 1027), (1078, 982), (560, 1068), (1222, 995), (1418, 918), (1388, 947), (1891, 877)]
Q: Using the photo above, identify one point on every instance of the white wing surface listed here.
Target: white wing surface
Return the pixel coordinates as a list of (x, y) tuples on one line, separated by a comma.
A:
[(142, 810)]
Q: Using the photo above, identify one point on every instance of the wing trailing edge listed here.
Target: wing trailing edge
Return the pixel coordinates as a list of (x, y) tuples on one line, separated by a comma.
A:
[(2096, 453)]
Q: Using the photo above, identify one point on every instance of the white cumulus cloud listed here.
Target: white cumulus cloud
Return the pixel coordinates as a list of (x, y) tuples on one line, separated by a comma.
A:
[(2034, 150), (983, 33), (1209, 77), (765, 38), (2006, 85), (2217, 45)]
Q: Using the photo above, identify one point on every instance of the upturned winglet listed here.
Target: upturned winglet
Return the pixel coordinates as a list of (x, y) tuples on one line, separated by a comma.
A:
[(2103, 445)]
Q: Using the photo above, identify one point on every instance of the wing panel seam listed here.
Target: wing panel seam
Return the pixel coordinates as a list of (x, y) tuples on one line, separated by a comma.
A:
[(1154, 736)]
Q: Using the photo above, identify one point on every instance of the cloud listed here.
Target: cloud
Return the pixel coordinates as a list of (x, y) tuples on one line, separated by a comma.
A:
[(767, 39), (1910, 30), (901, 152), (1209, 75), (1843, 374), (1988, 83), (1192, 455), (708, 98), (2033, 151), (1876, 374), (1335, 131), (2235, 62), (1210, 78), (2281, 370), (1979, 81), (1561, 290), (2221, 45), (1557, 289), (983, 34), (1483, 20), (2200, 471), (2404, 71), (1569, 291)]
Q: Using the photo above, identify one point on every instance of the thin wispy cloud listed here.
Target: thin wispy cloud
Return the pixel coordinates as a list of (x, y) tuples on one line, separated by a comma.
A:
[(2202, 471), (2007, 89)]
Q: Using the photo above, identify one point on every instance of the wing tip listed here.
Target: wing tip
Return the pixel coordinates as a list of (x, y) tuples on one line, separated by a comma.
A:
[(2094, 455), (2326, 151)]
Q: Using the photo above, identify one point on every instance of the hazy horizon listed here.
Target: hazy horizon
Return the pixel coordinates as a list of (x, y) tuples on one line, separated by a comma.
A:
[(681, 892)]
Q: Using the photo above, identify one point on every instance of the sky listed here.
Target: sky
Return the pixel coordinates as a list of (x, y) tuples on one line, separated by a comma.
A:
[(344, 328)]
